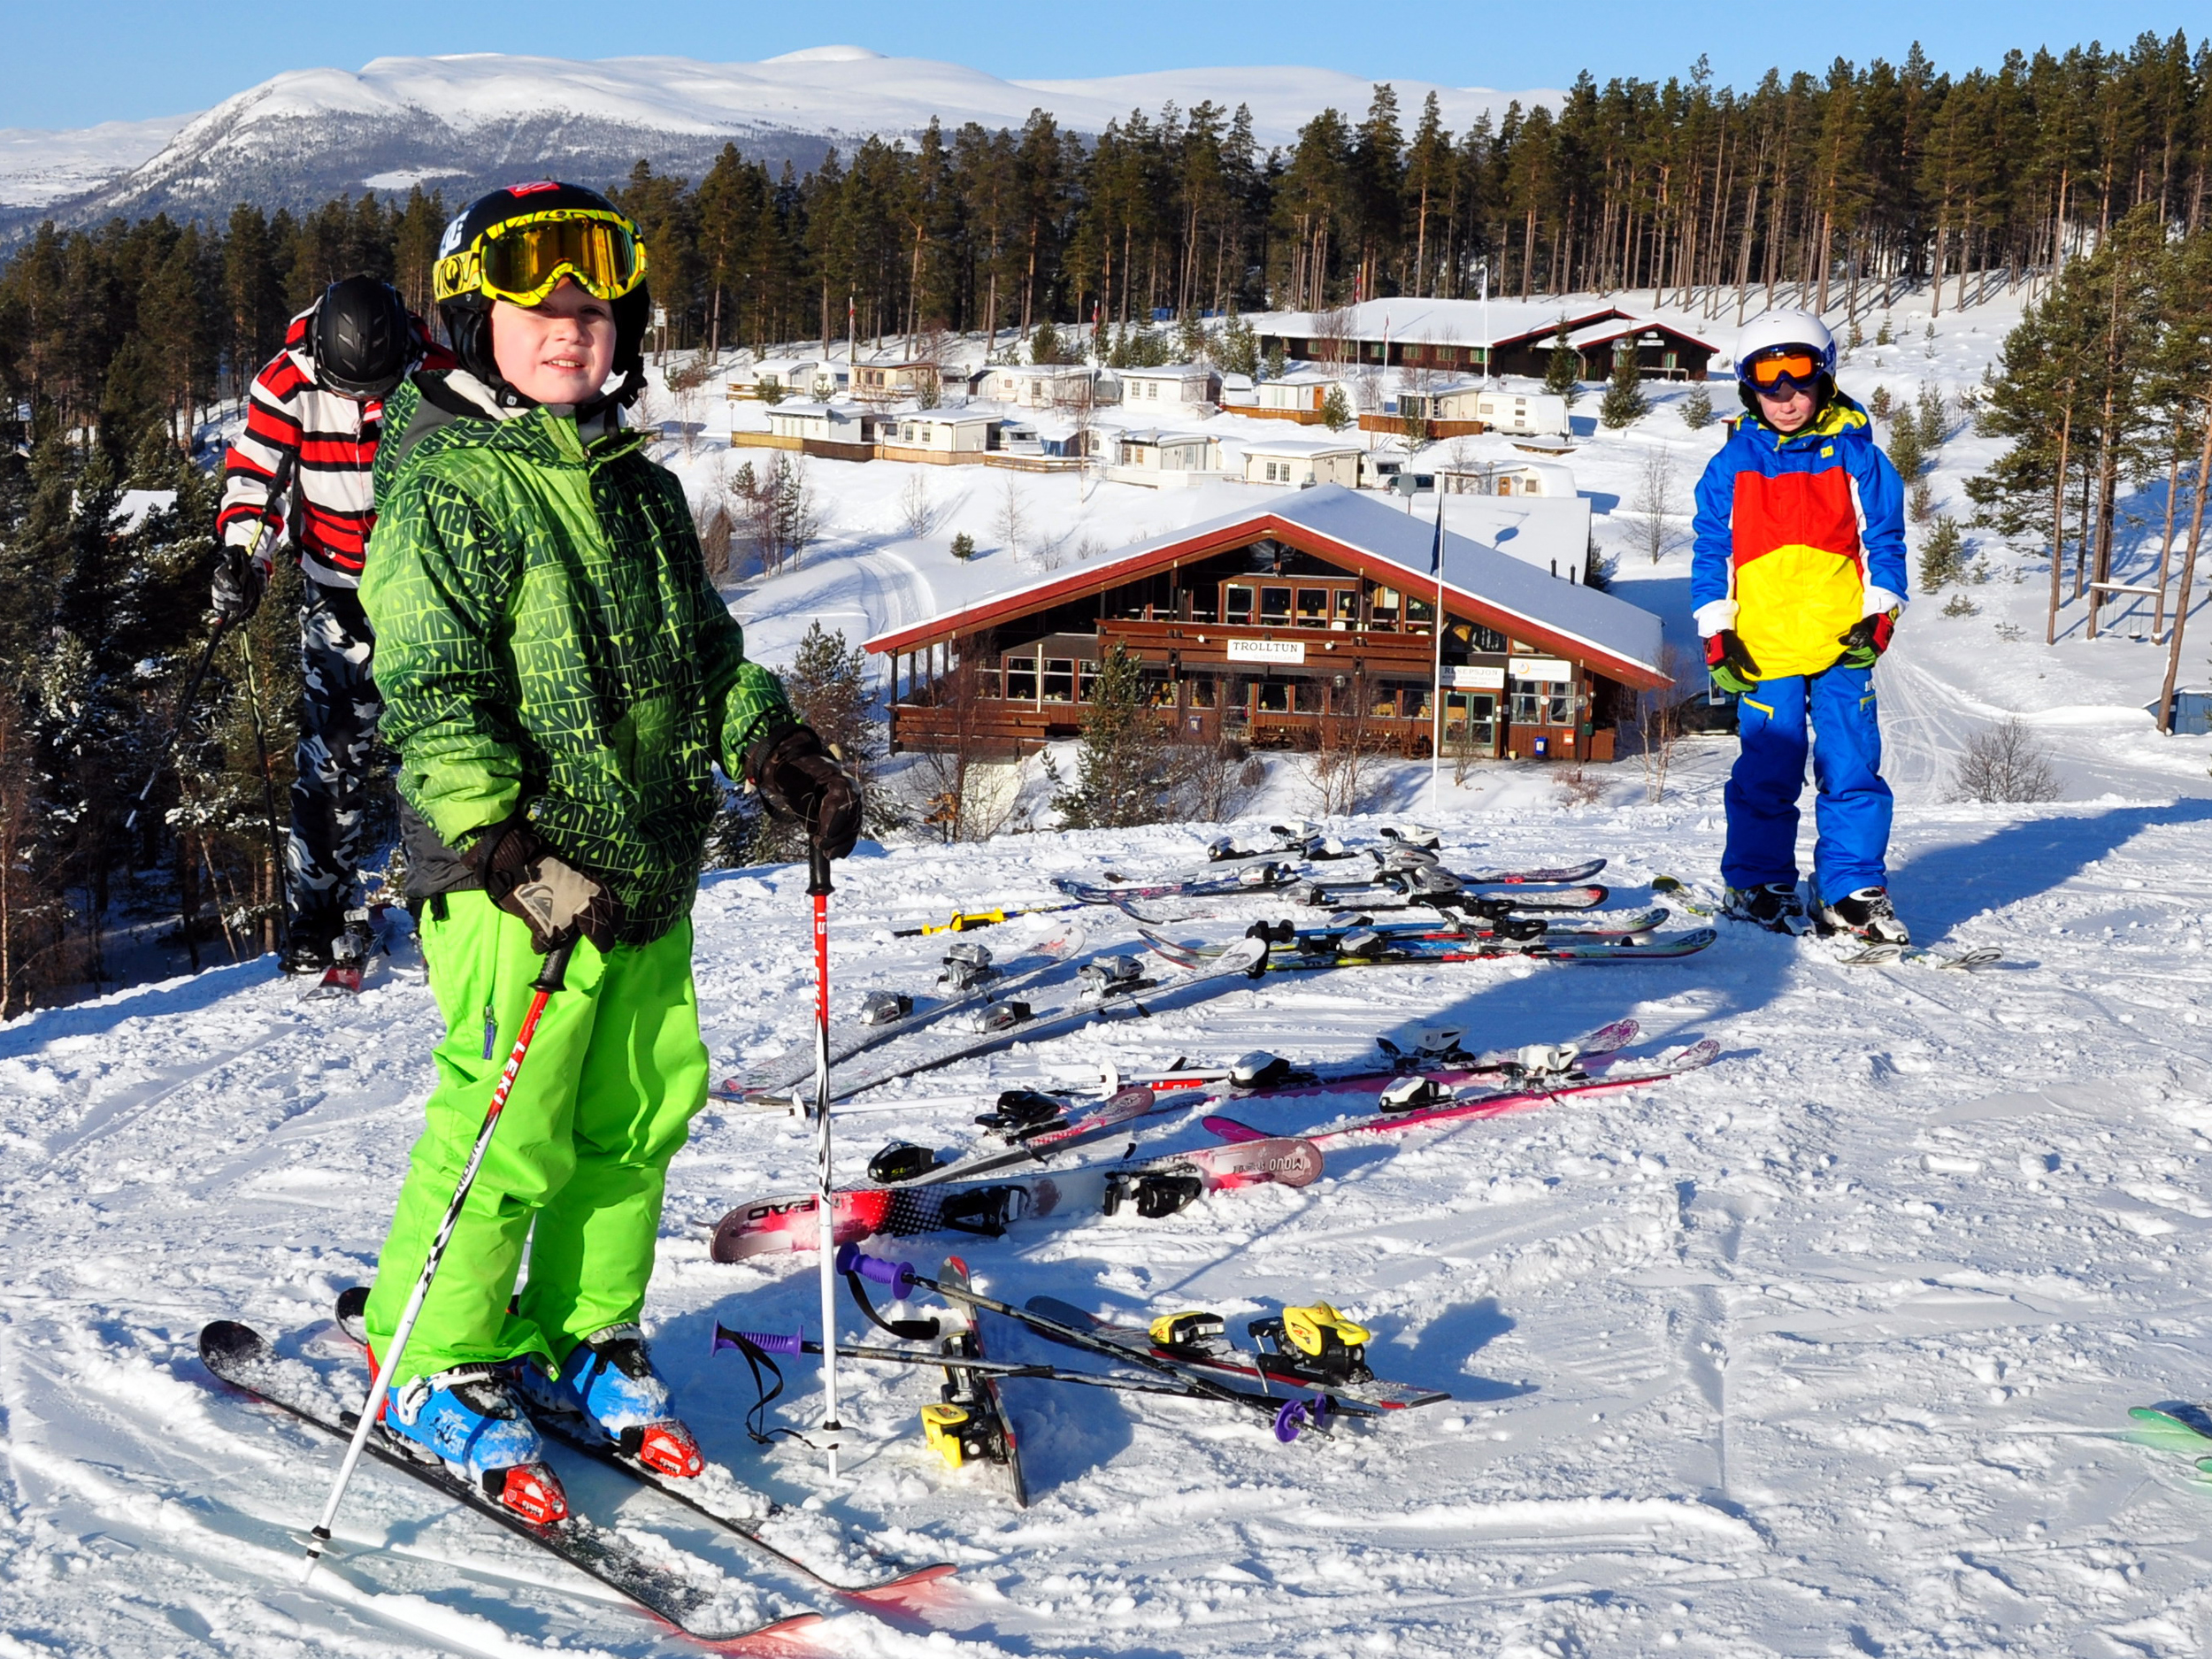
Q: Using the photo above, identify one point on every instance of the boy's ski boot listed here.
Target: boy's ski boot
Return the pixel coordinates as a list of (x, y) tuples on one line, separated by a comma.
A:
[(610, 1382), (1866, 913), (1773, 905), (468, 1417)]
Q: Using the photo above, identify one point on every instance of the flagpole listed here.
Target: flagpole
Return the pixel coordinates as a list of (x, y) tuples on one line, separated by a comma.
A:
[(1436, 694)]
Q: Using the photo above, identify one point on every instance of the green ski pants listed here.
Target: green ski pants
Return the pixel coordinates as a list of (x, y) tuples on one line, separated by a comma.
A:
[(579, 1160)]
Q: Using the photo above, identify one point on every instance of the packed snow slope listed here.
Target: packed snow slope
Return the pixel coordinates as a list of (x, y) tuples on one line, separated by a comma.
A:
[(474, 121), (1826, 1350)]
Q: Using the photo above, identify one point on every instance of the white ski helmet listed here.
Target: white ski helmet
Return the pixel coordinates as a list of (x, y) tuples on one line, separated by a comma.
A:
[(1772, 331)]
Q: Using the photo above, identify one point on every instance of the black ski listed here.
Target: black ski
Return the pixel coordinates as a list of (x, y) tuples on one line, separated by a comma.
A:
[(691, 1494), (240, 1356), (969, 1421)]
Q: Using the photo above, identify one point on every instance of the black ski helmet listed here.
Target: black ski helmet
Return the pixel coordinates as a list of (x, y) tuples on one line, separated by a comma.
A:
[(362, 338), (466, 309)]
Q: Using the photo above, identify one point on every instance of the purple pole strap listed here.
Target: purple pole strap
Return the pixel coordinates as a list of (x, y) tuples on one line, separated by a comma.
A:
[(766, 1342)]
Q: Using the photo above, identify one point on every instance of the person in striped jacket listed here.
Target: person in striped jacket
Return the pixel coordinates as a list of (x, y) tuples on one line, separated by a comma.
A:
[(312, 423)]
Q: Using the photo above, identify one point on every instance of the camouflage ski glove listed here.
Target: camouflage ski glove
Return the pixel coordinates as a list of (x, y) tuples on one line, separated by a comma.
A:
[(526, 878), (801, 782), (240, 578)]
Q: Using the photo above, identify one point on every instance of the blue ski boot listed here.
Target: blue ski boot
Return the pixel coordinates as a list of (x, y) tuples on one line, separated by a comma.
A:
[(468, 1417), (610, 1382)]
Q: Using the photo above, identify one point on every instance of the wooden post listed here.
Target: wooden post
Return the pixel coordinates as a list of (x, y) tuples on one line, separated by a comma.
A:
[(2188, 576)]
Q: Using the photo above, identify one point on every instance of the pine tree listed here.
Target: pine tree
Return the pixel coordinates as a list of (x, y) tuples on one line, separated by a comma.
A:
[(1124, 769), (1563, 370), (1697, 409), (1336, 408), (1624, 403), (1942, 558)]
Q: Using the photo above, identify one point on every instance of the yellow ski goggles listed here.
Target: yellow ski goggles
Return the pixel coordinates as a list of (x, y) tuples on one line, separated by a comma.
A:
[(522, 260)]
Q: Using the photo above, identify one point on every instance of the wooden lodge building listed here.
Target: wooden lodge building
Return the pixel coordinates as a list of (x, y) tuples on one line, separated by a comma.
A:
[(1307, 613), (1460, 337)]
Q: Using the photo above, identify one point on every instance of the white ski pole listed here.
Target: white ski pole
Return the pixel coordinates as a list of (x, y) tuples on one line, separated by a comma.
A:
[(824, 1183), (548, 980)]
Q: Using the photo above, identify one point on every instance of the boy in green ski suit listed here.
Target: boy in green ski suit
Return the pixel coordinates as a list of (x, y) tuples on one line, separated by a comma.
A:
[(559, 678)]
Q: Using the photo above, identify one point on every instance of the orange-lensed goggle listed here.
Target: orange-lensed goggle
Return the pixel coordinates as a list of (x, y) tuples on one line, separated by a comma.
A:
[(1797, 369), (523, 260)]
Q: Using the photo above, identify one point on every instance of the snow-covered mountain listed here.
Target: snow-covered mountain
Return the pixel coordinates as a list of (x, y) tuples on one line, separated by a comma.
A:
[(37, 167), (474, 121)]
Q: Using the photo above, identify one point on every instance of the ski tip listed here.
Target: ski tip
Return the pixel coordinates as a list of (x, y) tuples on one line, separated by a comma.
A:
[(907, 1587), (1229, 1129), (228, 1339)]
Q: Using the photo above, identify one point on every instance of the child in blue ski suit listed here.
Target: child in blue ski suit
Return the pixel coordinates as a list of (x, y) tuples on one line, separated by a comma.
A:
[(1797, 578)]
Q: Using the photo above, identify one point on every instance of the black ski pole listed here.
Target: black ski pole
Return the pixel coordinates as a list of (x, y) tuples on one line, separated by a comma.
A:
[(279, 482), (548, 980)]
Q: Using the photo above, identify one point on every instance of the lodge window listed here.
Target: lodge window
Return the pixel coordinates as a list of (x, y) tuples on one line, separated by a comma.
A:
[(1086, 681), (1021, 679), (1274, 697), (987, 683), (1204, 692), (1383, 702), (1155, 688), (1274, 607), (1543, 703), (1348, 607), (1413, 698), (1059, 679), (1306, 695), (1482, 639), (1383, 613), (1313, 607), (1237, 605), (1419, 612)]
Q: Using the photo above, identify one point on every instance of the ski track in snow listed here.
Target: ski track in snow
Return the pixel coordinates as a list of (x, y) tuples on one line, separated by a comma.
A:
[(1825, 1349)]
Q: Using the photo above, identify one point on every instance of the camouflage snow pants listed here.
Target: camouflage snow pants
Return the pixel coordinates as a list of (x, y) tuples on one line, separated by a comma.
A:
[(338, 715)]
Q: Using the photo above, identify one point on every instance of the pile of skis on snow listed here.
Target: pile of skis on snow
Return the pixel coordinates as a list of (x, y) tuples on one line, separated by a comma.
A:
[(1307, 1367)]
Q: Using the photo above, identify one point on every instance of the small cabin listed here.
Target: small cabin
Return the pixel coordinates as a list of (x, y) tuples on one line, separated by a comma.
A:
[(1301, 463), (1295, 397), (1165, 460), (1548, 479), (775, 378), (1042, 385), (937, 437), (887, 380), (1179, 386)]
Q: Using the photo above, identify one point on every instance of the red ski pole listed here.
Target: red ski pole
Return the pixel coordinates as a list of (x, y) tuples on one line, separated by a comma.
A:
[(824, 1184), (548, 980)]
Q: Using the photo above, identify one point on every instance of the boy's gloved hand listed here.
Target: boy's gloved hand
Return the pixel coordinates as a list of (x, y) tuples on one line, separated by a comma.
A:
[(1729, 663), (526, 878), (1868, 639), (241, 579), (801, 782)]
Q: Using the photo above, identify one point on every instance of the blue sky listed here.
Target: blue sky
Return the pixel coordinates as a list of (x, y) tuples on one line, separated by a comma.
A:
[(73, 64)]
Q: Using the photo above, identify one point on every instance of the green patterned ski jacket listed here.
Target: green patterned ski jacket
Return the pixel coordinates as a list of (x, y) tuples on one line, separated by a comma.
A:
[(547, 639)]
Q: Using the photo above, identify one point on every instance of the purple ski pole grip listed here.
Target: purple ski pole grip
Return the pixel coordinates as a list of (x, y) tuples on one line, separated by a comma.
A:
[(1289, 1420), (898, 1275), (766, 1342)]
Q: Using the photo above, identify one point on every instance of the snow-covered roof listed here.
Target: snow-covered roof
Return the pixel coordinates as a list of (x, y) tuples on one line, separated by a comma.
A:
[(1432, 322), (1461, 322), (1498, 588), (1155, 435), (949, 416), (1169, 372), (1043, 371), (1598, 333), (1297, 449)]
